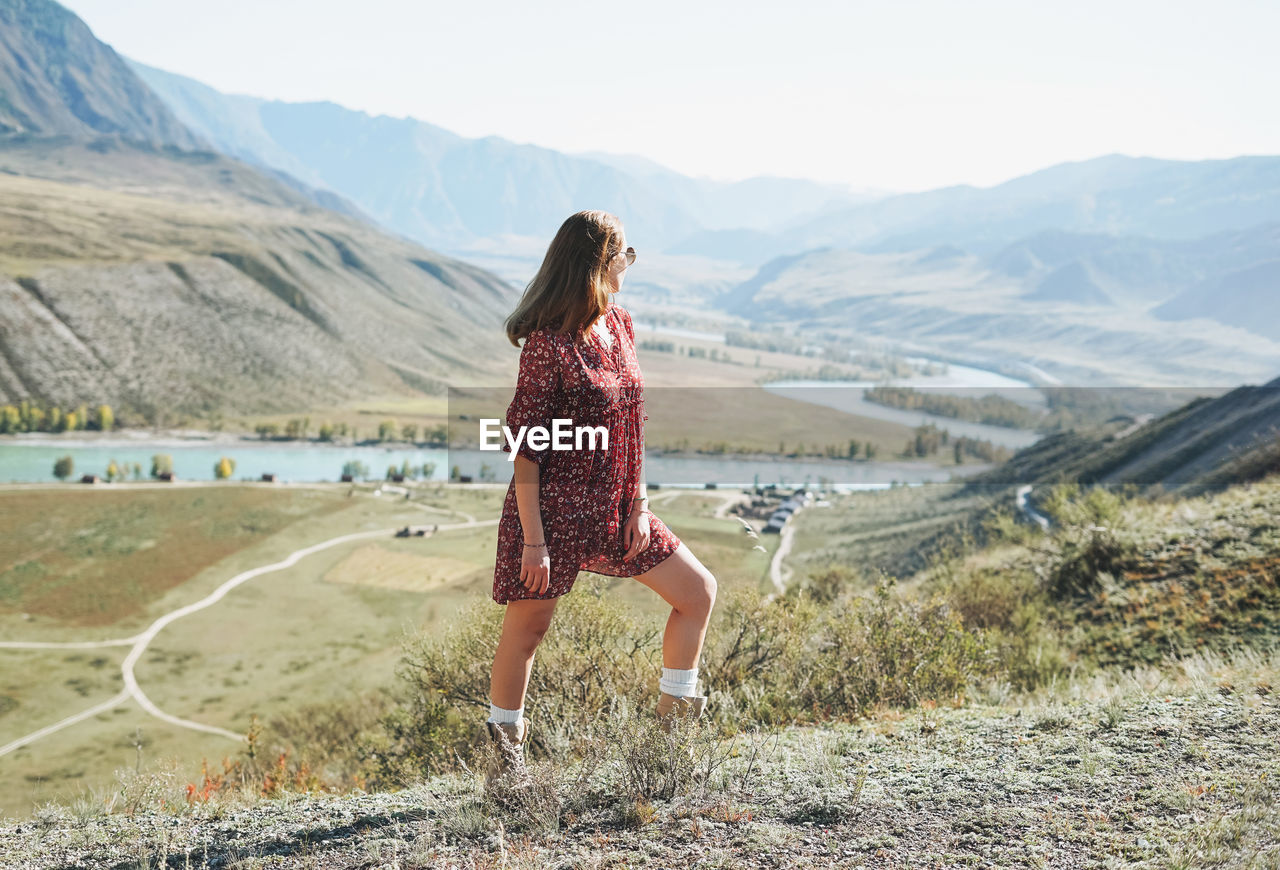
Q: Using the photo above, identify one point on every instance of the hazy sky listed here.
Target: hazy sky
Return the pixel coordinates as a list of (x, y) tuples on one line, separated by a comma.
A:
[(904, 95)]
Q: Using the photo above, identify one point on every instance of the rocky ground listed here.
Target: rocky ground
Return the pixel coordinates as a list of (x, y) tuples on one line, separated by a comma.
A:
[(1172, 769)]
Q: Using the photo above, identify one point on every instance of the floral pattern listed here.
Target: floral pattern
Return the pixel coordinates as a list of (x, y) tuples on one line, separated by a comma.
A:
[(584, 494)]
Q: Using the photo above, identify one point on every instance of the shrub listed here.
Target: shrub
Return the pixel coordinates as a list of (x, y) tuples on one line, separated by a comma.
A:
[(64, 467), (756, 652), (593, 655), (790, 658), (890, 650)]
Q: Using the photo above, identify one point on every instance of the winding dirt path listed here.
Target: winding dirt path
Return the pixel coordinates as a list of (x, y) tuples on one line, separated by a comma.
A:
[(140, 642), (1023, 499), (776, 568)]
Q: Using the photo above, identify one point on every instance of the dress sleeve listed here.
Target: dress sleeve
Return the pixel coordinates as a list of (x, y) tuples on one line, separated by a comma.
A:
[(537, 388), (631, 334)]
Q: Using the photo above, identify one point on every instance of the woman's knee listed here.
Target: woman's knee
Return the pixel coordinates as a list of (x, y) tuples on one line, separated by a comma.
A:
[(526, 624), (704, 597)]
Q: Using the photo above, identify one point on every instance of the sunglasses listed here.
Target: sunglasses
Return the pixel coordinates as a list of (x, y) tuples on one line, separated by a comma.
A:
[(630, 254)]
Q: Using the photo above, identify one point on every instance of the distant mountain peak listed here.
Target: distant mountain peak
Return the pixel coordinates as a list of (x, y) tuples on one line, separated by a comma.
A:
[(57, 79), (1070, 283)]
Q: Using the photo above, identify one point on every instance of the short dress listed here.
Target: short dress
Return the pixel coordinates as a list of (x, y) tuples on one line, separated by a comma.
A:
[(584, 494)]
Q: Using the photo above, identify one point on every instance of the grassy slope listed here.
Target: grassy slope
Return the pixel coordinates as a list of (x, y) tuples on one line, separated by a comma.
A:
[(1207, 441), (1159, 768), (263, 300), (887, 530), (1168, 764)]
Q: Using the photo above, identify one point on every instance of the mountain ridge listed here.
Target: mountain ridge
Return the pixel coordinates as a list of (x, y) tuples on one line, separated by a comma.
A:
[(62, 80), (158, 278)]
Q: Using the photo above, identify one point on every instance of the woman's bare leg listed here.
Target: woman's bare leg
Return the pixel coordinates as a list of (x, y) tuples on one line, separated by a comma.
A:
[(690, 589), (523, 626)]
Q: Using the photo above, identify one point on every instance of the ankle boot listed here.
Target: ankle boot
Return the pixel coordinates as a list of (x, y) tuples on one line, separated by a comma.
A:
[(509, 737), (674, 705)]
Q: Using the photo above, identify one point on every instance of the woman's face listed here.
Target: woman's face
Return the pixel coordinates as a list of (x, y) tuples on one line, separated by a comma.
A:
[(618, 267)]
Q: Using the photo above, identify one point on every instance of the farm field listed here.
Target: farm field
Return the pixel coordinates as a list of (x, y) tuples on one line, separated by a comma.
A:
[(324, 627)]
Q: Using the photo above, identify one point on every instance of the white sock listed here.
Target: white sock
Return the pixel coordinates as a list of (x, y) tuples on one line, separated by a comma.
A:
[(680, 682), (501, 714)]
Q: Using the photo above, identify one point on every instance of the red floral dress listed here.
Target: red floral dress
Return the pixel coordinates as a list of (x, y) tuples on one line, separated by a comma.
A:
[(584, 494)]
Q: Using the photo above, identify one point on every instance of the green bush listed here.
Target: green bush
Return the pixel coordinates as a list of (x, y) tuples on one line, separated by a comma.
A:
[(594, 654), (788, 659), (891, 650)]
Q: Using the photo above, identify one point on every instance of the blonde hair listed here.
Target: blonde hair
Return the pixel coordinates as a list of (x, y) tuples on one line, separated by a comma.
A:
[(571, 290)]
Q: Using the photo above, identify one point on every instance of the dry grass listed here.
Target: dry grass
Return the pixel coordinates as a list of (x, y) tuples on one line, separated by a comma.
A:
[(1164, 766), (92, 561), (375, 565)]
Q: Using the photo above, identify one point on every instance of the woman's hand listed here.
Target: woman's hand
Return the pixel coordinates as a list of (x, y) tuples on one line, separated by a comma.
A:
[(635, 533), (535, 569)]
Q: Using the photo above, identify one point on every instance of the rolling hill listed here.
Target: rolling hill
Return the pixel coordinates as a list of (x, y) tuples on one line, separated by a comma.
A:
[(1248, 297), (151, 276), (1115, 195), (1208, 442), (1089, 308)]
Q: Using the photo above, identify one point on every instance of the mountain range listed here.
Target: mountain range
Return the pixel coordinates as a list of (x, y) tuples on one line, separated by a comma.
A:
[(1119, 246), (450, 192), (378, 251)]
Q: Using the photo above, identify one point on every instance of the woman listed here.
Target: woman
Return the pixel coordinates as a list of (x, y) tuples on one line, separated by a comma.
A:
[(584, 509)]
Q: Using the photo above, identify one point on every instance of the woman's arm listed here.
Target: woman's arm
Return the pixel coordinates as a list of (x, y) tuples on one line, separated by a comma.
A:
[(635, 532), (535, 564), (534, 404), (641, 495)]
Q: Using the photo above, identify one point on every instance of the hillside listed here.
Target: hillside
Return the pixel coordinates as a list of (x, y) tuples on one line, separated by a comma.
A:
[(57, 79), (1099, 696), (1142, 774), (1077, 307), (142, 270), (1232, 438), (190, 281)]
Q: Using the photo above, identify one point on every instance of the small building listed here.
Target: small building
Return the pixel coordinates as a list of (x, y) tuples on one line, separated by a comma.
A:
[(774, 526), (464, 478), (710, 486), (268, 477), (89, 478), (397, 478), (168, 475), (348, 478)]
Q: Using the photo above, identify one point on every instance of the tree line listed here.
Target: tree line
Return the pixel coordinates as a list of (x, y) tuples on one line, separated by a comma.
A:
[(31, 416), (299, 429), (162, 464)]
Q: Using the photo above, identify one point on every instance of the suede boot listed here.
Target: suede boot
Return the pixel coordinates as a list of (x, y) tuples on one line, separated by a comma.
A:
[(674, 705), (509, 737)]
